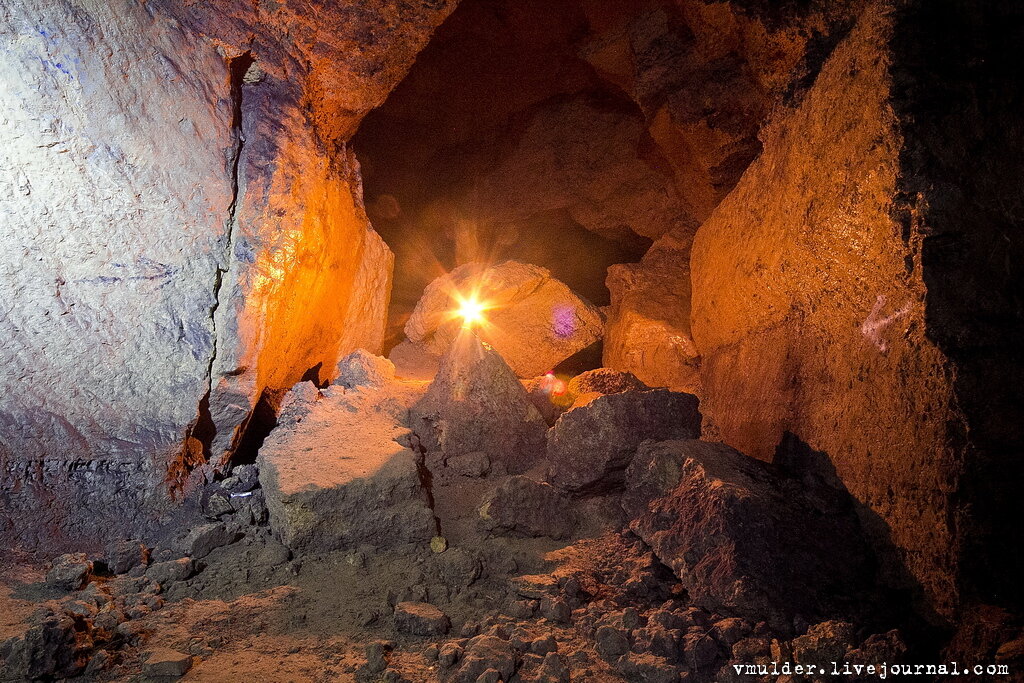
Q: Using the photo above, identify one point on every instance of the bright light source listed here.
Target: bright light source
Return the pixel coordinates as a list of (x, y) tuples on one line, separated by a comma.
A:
[(471, 310)]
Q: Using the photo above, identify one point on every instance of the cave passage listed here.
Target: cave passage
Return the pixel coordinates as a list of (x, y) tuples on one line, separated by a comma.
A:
[(503, 143)]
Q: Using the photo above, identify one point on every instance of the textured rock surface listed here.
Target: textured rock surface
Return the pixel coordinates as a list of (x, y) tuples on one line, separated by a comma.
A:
[(841, 294), (648, 328), (421, 619), (590, 446), (743, 539), (531, 508), (163, 202), (335, 477), (532, 320), (477, 405)]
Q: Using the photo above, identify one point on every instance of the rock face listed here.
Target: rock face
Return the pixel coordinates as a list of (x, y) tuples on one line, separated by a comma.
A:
[(648, 328), (532, 320), (520, 505), (841, 294), (334, 475), (164, 200), (590, 446), (477, 405), (743, 539)]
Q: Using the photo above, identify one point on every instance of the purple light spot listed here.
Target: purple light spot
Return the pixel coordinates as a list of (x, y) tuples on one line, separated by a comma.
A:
[(563, 321)]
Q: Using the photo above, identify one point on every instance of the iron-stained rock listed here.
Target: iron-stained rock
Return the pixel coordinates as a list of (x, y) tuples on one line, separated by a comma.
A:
[(745, 540), (421, 619), (69, 572)]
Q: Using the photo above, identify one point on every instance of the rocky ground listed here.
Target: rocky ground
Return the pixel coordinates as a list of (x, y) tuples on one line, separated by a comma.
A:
[(378, 539)]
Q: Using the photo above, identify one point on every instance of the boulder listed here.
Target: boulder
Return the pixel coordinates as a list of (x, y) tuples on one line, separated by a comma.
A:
[(362, 368), (523, 506), (589, 447), (335, 476), (421, 619), (746, 540), (533, 320), (69, 572), (126, 555), (477, 405)]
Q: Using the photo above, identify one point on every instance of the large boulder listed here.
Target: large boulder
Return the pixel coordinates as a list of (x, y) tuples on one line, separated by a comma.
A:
[(476, 404), (533, 320), (335, 476), (745, 540), (590, 446)]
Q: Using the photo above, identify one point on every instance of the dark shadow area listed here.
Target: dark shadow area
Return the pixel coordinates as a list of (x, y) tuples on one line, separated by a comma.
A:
[(898, 599), (957, 72)]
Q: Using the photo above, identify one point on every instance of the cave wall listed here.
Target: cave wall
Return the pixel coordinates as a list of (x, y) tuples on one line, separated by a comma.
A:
[(183, 229), (705, 76), (850, 296)]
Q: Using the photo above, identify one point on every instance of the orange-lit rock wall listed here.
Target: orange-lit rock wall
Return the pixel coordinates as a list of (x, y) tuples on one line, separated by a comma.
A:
[(814, 308)]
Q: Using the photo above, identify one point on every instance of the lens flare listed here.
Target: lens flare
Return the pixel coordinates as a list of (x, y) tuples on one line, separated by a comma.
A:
[(471, 310)]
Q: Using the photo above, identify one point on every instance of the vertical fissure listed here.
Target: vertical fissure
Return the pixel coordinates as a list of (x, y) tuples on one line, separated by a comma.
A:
[(201, 433)]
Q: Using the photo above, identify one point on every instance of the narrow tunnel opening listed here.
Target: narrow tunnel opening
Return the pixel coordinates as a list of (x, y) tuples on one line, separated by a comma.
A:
[(504, 143)]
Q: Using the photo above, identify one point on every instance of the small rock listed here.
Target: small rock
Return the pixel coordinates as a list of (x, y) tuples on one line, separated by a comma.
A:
[(611, 642), (244, 478), (730, 631), (100, 661), (69, 572), (438, 544), (542, 646), (553, 669), (824, 642), (535, 586), (273, 554), (701, 652), (556, 609), (604, 381), (449, 654), (376, 657), (522, 609), (202, 540), (475, 464), (165, 573), (647, 668), (431, 652), (166, 663), (421, 619), (486, 652)]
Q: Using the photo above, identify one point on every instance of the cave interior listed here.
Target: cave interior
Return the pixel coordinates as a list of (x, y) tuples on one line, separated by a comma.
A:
[(511, 340)]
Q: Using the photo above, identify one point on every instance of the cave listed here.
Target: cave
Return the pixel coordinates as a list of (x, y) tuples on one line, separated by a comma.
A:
[(511, 340)]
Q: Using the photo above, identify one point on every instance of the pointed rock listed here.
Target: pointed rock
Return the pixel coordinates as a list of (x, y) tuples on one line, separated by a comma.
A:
[(476, 404)]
